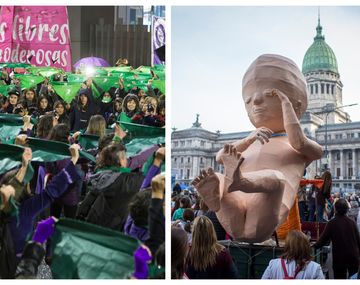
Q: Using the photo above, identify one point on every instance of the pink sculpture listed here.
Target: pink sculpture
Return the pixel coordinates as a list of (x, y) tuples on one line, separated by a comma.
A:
[(263, 170)]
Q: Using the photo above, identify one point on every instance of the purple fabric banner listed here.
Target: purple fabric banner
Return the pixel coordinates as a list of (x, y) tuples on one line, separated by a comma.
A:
[(158, 38), (37, 35)]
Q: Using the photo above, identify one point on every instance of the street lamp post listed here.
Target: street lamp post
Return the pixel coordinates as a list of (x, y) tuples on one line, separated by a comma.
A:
[(328, 108)]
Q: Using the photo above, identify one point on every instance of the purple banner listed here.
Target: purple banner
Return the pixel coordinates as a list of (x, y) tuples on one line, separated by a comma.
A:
[(157, 38)]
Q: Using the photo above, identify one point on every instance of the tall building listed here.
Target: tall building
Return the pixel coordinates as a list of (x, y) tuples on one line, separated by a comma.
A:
[(194, 149)]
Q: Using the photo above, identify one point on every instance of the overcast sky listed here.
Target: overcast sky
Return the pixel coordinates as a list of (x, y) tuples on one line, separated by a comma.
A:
[(213, 46)]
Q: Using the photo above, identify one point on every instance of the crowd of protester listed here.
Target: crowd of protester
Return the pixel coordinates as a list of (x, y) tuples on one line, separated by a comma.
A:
[(196, 232), (113, 192)]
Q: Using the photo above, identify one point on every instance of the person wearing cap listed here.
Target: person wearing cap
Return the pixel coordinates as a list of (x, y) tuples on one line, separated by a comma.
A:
[(84, 108), (263, 170), (11, 102)]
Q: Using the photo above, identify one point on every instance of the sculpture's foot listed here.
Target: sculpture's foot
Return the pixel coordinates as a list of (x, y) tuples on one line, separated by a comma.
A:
[(208, 185)]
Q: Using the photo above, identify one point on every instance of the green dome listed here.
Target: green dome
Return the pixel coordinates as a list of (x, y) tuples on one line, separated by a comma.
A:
[(319, 56)]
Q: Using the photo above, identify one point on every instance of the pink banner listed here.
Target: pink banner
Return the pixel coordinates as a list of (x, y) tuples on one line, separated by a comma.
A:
[(37, 35)]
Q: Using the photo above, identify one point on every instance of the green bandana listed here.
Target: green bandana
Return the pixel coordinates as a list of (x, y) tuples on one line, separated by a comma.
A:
[(115, 169), (106, 100)]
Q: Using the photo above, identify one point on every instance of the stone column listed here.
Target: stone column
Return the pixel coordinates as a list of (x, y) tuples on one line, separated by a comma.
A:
[(195, 167), (354, 164), (342, 162)]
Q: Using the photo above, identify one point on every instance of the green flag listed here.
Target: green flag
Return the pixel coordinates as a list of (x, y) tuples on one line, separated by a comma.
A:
[(88, 141), (137, 130), (67, 91), (46, 150), (10, 126), (14, 65), (118, 69), (106, 82), (86, 251), (44, 71), (28, 80), (75, 78), (160, 84), (137, 145), (10, 157), (95, 90), (4, 89)]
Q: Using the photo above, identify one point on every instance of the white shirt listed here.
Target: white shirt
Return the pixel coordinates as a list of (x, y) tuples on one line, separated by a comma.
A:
[(312, 270)]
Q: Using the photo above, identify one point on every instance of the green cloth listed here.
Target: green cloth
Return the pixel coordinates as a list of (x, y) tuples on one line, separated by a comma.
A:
[(14, 65), (10, 157), (137, 130), (160, 84), (137, 145), (178, 214), (88, 141), (28, 80), (75, 78), (150, 162), (44, 71), (87, 251), (95, 91), (4, 89), (124, 118), (106, 82), (114, 169), (67, 91), (10, 126)]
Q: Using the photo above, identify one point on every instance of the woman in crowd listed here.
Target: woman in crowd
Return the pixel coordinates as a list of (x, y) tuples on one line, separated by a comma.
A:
[(45, 125), (59, 109), (30, 100), (97, 126), (106, 105), (207, 259), (179, 251), (84, 108), (43, 105), (323, 194), (295, 263), (11, 101), (185, 203), (130, 108)]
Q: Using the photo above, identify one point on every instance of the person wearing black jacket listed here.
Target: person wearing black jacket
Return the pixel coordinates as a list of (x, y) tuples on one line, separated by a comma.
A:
[(84, 108), (344, 235)]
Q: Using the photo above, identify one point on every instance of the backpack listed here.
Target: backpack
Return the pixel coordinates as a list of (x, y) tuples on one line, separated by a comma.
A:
[(286, 276), (8, 260)]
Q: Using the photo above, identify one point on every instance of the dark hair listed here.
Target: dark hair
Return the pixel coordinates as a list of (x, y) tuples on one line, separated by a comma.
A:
[(186, 202), (44, 126), (105, 141), (326, 188), (179, 244), (139, 207), (188, 217), (341, 207), (32, 90), (109, 156), (60, 133), (127, 99)]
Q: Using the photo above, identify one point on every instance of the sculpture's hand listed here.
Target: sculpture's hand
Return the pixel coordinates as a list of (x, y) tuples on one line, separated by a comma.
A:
[(261, 134), (284, 99)]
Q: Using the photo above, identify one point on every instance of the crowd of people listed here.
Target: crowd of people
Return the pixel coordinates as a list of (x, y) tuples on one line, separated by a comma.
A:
[(116, 192), (196, 231)]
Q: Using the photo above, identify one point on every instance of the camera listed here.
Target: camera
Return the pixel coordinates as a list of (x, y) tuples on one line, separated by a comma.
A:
[(149, 108)]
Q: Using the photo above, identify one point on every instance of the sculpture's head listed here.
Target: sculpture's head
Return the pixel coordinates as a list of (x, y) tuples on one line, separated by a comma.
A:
[(268, 72)]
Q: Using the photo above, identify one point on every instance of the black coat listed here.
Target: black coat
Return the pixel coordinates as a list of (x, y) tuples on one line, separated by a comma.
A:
[(79, 118)]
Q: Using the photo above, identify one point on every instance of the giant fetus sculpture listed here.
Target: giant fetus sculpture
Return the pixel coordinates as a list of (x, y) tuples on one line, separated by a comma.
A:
[(263, 170)]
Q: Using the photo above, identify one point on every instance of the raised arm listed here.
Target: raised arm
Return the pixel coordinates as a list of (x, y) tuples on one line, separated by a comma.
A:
[(310, 149)]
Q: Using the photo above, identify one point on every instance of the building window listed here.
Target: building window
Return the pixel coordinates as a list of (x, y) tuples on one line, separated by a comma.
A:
[(311, 89), (350, 155), (181, 174), (332, 89), (202, 143), (187, 173), (352, 135), (182, 160), (322, 88), (338, 172), (182, 143), (350, 171), (327, 88), (338, 156), (188, 159), (201, 160), (175, 159), (316, 89), (336, 136), (176, 144), (188, 142)]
